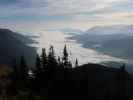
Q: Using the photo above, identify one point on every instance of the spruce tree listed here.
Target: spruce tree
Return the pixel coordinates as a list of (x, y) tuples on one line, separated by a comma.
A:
[(44, 59), (65, 57), (51, 56), (38, 64), (51, 51), (52, 63), (76, 63)]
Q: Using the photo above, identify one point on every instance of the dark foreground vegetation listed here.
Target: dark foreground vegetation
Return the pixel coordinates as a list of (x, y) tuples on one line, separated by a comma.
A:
[(55, 78)]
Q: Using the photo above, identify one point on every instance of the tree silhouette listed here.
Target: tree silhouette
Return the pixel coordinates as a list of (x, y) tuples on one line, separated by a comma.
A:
[(52, 62), (44, 59), (65, 57), (38, 63), (76, 63), (38, 67), (51, 57), (56, 78), (59, 61)]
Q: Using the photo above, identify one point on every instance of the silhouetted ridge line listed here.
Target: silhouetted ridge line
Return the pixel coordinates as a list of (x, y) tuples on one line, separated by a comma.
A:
[(15, 45), (56, 77)]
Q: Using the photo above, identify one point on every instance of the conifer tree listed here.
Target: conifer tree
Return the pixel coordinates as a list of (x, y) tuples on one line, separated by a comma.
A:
[(51, 56), (38, 64), (52, 62), (65, 56), (51, 51), (44, 59), (76, 63)]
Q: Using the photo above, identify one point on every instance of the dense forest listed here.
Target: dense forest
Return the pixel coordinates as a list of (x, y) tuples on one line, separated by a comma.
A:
[(55, 77)]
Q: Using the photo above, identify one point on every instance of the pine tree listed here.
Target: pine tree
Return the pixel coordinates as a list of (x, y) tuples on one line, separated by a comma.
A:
[(38, 64), (44, 59), (65, 56), (51, 51), (51, 56), (76, 63), (52, 62)]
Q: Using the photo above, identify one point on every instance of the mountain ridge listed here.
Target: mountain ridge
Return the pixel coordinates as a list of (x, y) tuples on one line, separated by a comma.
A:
[(114, 29), (13, 46)]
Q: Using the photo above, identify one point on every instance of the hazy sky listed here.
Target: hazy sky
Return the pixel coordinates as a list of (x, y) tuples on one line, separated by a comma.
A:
[(38, 15)]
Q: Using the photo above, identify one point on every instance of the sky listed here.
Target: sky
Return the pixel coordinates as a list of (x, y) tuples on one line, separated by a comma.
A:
[(39, 15)]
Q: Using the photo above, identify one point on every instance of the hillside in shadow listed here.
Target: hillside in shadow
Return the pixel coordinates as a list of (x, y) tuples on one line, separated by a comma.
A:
[(13, 44), (53, 77), (56, 78)]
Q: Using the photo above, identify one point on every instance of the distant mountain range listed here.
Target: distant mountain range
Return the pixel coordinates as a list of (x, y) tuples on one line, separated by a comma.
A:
[(13, 46), (114, 40), (114, 29)]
